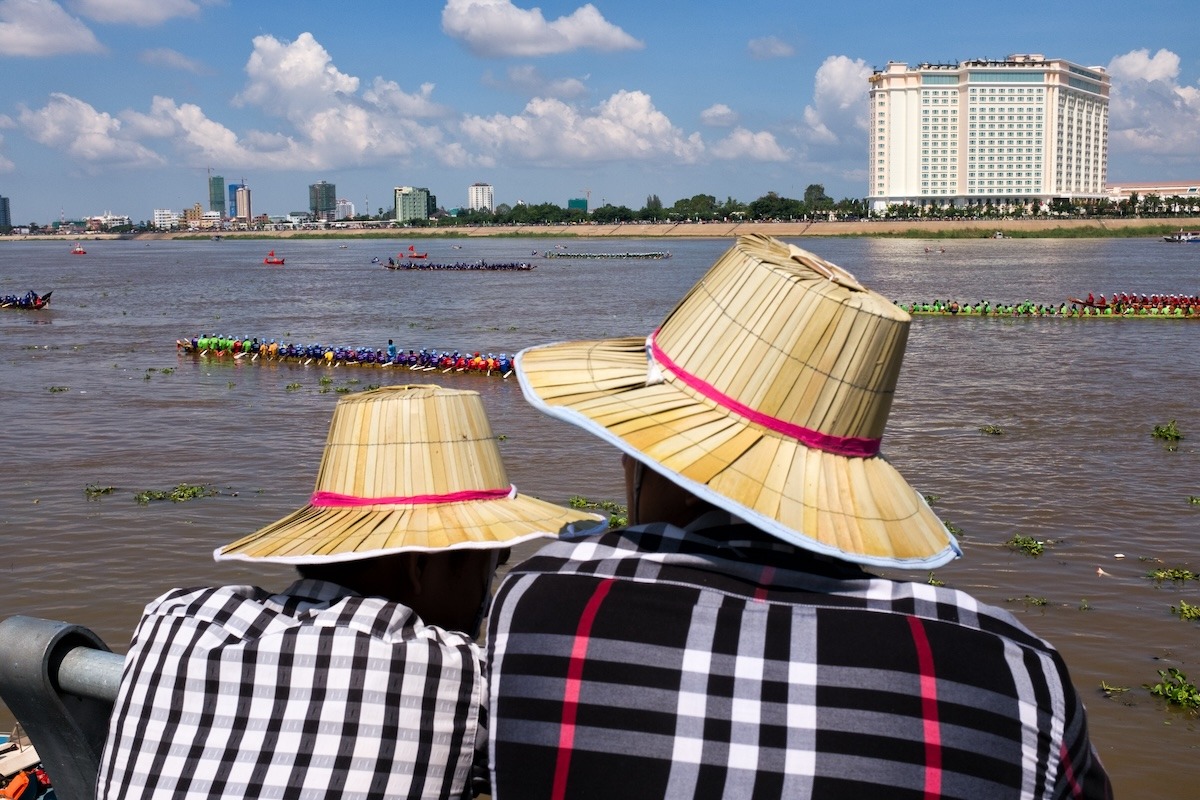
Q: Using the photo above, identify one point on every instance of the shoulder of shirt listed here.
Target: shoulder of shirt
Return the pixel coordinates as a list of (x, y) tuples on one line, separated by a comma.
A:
[(308, 603), (845, 585)]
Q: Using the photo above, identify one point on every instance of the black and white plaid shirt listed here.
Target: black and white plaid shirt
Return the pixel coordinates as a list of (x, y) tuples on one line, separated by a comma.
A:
[(314, 693), (719, 662)]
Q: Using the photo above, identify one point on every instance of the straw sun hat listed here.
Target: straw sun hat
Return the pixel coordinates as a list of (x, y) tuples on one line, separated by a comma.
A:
[(765, 392), (407, 468)]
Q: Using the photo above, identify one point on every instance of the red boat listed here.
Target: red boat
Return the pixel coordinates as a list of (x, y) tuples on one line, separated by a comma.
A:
[(272, 259), (78, 250), (412, 252)]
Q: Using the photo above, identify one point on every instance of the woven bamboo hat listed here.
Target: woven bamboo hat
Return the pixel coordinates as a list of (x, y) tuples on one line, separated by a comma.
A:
[(407, 468), (764, 392)]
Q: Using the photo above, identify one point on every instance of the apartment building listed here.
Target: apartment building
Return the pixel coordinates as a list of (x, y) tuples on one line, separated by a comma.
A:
[(977, 132)]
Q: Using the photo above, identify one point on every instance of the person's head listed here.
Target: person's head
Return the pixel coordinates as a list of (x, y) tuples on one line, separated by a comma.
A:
[(412, 504), (447, 588), (765, 392)]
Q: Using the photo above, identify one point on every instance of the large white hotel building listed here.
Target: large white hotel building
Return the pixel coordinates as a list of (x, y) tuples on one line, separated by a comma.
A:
[(1005, 132)]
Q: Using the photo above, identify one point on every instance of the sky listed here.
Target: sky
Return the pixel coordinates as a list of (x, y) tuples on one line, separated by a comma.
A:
[(126, 106)]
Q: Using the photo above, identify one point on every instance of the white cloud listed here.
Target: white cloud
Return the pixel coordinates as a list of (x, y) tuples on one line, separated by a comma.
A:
[(144, 13), (89, 136), (172, 59), (295, 79), (719, 115), (36, 28), (744, 144), (769, 47), (1150, 113), (499, 28), (838, 113), (389, 97), (528, 80), (1140, 65), (625, 127)]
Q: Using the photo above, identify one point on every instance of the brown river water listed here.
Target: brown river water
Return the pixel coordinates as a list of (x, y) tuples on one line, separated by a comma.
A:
[(1076, 466)]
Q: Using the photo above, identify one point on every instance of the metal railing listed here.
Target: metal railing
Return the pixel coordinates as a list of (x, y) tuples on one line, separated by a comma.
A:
[(60, 681)]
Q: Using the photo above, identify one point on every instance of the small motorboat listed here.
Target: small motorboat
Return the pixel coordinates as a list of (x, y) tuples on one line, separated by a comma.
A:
[(78, 250), (273, 259)]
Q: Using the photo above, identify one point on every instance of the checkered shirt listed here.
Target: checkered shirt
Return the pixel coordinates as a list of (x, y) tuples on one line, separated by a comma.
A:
[(315, 693), (716, 661)]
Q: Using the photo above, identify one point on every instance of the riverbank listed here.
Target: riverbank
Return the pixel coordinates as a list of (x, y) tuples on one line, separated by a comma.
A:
[(911, 229)]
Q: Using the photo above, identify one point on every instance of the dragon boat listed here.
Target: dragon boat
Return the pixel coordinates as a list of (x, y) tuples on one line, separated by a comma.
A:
[(256, 352), (1170, 307), (30, 301), (660, 254), (460, 266)]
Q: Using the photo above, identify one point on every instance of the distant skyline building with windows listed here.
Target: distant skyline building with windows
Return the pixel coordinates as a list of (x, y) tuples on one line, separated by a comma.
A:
[(413, 203), (5, 214), (345, 209), (322, 201), (216, 193), (977, 132), (481, 197)]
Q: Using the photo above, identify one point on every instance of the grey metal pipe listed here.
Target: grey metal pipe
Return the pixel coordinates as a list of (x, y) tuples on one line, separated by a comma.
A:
[(87, 672)]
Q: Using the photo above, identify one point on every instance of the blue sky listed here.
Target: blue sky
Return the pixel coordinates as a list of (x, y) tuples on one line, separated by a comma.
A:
[(124, 105)]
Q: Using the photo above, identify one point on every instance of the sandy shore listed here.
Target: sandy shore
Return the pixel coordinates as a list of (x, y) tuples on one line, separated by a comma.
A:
[(709, 230)]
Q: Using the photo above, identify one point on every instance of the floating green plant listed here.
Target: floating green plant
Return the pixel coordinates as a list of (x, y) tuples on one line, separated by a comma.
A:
[(343, 390), (954, 529), (1084, 605), (230, 385), (1186, 611), (183, 491), (992, 430), (1175, 688), (57, 389), (94, 491), (1172, 574), (167, 370), (291, 387), (502, 437), (1027, 545), (931, 498), (1110, 690), (1194, 500), (933, 581), (325, 380), (618, 514), (1169, 432)]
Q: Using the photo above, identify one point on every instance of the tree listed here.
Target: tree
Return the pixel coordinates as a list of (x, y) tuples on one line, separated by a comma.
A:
[(653, 203), (815, 197)]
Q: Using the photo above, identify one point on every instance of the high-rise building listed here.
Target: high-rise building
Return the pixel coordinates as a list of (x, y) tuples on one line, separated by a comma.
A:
[(977, 132), (345, 209), (241, 210), (5, 214), (412, 203), (480, 197), (216, 193), (322, 201)]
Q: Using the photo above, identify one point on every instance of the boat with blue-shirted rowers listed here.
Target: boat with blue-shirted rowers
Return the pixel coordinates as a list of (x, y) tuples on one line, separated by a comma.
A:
[(31, 300), (654, 255), (260, 351)]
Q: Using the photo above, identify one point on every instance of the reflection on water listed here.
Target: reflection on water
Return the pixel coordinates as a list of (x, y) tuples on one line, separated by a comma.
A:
[(1076, 400)]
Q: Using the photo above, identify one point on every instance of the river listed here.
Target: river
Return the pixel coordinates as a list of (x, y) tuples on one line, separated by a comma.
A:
[(93, 393)]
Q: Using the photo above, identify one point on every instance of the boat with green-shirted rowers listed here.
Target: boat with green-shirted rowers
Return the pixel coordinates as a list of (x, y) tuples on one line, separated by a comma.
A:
[(1125, 306)]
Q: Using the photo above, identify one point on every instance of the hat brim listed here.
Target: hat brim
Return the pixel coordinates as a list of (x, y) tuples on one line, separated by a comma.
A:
[(855, 509), (319, 535)]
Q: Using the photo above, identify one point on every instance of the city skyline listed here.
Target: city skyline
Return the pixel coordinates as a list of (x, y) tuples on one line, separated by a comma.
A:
[(613, 100)]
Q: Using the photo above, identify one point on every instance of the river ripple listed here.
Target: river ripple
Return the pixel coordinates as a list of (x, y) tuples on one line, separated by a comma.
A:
[(1077, 400)]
